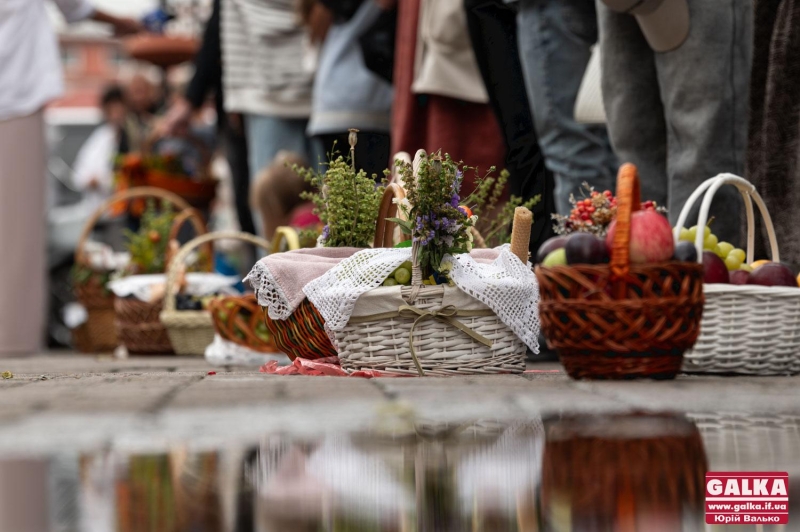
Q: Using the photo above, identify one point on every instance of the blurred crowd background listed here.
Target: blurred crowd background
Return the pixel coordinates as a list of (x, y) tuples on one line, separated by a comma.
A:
[(558, 92)]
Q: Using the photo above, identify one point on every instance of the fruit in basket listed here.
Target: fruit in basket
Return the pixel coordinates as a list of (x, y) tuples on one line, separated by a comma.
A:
[(733, 257), (740, 277), (390, 281), (549, 246), (685, 252), (651, 237), (746, 267), (585, 248), (714, 269), (556, 258), (773, 274), (759, 263), (402, 275)]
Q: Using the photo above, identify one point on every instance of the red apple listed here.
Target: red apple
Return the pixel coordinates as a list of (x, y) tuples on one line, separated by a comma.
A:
[(773, 274), (651, 237), (739, 277), (714, 269)]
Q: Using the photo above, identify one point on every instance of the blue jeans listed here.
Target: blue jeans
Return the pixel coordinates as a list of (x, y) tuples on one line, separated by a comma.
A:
[(681, 116), (555, 40), (266, 136)]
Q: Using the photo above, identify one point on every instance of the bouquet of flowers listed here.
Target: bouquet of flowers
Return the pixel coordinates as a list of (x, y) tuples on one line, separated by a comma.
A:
[(441, 223)]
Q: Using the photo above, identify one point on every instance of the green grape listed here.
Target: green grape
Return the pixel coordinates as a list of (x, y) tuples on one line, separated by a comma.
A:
[(390, 281), (707, 231), (733, 263), (402, 275), (710, 242), (685, 234), (746, 267), (692, 233), (719, 252), (738, 253), (725, 248), (407, 265)]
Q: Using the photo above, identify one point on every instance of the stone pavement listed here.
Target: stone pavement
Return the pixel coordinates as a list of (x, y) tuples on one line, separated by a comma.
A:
[(71, 402)]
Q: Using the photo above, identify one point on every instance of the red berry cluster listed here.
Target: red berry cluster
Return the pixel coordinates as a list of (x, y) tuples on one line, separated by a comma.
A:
[(585, 208)]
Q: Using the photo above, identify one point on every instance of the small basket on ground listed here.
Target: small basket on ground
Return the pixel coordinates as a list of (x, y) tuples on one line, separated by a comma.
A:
[(99, 332), (746, 329), (138, 324), (238, 319), (621, 320), (302, 334), (191, 331)]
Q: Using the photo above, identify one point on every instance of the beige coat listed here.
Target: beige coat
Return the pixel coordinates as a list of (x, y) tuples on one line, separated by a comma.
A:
[(445, 63)]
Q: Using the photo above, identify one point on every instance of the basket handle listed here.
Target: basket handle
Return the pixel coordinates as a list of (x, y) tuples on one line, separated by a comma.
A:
[(628, 201), (192, 215), (131, 193), (384, 230), (173, 270), (285, 234), (749, 194)]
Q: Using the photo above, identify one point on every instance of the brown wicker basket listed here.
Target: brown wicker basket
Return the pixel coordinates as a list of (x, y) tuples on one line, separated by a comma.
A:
[(622, 320), (99, 332), (623, 472), (238, 319)]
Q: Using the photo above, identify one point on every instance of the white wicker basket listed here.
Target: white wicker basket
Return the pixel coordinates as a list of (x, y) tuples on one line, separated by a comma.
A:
[(427, 330), (746, 329)]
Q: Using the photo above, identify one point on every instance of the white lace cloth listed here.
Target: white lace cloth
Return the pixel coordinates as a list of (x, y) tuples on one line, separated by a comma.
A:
[(197, 284), (221, 352), (506, 286)]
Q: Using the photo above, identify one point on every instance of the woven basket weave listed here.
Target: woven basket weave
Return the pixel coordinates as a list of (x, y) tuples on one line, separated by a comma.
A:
[(621, 320), (100, 332), (191, 331), (236, 319), (422, 340), (746, 329)]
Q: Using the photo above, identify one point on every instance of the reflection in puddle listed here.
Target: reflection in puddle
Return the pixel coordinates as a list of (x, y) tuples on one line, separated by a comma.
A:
[(569, 473)]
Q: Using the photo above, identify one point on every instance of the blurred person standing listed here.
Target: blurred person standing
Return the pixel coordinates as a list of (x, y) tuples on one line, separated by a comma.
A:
[(207, 79), (675, 80), (141, 97), (346, 93), (493, 31), (266, 79), (440, 99), (94, 165), (30, 77), (555, 45)]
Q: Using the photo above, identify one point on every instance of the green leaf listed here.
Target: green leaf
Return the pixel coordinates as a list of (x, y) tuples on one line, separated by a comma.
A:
[(404, 244)]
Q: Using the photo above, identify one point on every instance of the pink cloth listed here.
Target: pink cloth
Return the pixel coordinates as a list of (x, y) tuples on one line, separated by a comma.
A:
[(292, 270), (322, 367)]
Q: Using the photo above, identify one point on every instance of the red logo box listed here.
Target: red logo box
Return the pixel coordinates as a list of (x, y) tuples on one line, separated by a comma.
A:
[(747, 498)]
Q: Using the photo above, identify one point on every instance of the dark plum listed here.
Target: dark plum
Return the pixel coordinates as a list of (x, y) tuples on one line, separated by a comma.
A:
[(685, 252), (714, 269), (585, 248), (549, 246)]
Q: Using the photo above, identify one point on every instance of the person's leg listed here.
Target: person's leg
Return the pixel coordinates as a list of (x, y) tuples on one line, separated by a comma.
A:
[(555, 41), (266, 136), (22, 235), (704, 86), (492, 27), (235, 145), (633, 102)]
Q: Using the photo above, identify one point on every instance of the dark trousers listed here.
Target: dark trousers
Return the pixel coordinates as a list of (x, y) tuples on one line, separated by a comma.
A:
[(492, 28), (372, 150), (235, 146)]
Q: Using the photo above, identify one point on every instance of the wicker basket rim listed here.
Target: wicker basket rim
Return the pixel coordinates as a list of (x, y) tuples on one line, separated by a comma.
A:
[(751, 289)]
